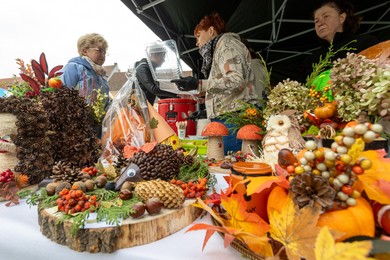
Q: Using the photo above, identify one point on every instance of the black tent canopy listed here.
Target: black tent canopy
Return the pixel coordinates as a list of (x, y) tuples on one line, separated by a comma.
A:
[(281, 30)]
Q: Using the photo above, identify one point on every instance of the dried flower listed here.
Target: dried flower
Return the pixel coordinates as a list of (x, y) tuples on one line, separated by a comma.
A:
[(361, 84), (288, 95)]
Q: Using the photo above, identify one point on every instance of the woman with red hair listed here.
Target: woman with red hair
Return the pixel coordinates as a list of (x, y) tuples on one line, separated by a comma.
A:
[(227, 71)]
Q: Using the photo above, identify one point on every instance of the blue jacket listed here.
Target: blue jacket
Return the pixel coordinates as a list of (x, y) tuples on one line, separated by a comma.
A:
[(79, 74)]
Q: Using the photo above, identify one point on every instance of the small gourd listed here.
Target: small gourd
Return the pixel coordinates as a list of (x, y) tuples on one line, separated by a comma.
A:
[(325, 110)]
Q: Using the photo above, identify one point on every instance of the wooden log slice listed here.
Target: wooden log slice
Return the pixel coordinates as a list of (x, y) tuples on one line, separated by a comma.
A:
[(132, 232)]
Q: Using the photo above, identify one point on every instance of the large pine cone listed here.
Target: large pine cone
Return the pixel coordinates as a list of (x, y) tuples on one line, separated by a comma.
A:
[(65, 172), (170, 195), (309, 188)]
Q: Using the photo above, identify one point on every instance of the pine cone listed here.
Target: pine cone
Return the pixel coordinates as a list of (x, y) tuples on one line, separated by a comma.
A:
[(63, 171), (309, 188), (170, 195), (120, 162)]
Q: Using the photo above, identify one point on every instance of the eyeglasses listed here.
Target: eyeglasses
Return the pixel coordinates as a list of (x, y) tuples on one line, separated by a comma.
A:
[(100, 51)]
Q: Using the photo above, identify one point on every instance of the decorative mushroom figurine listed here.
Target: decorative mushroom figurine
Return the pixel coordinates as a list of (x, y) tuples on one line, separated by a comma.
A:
[(215, 131), (250, 136)]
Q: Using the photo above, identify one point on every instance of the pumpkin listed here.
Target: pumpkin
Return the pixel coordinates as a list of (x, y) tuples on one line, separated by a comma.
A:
[(277, 199), (325, 110), (356, 220)]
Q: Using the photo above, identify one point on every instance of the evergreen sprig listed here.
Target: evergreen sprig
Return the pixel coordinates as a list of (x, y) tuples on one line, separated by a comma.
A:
[(326, 62)]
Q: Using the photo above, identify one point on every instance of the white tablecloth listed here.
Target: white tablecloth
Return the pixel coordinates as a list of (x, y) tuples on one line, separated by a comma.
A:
[(21, 239)]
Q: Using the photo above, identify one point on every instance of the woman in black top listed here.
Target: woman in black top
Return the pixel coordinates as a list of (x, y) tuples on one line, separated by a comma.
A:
[(335, 23)]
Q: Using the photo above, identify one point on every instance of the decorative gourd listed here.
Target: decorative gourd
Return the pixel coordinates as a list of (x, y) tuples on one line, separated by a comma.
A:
[(325, 110), (277, 199), (356, 220)]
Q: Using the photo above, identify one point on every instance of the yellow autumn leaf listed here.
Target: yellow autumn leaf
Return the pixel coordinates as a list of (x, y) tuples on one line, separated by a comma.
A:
[(296, 229), (327, 249), (379, 171)]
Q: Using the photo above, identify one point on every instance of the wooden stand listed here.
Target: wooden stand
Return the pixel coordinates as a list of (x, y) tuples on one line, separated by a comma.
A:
[(132, 232)]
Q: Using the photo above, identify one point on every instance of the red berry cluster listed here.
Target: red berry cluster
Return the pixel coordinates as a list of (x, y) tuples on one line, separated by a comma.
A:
[(30, 94), (73, 201), (92, 171), (192, 189), (7, 176)]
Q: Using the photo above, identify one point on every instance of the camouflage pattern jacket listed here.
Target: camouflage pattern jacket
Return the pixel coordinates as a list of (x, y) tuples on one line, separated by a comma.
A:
[(231, 77)]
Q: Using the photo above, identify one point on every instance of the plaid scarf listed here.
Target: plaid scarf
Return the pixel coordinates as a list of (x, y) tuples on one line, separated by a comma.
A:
[(207, 52)]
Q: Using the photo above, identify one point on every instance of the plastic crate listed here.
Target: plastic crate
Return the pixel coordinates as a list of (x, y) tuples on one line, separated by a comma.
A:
[(188, 144)]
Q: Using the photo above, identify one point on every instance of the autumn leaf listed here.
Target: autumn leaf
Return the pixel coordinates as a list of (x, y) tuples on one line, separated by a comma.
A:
[(258, 184), (247, 227), (384, 186), (296, 229), (148, 147), (129, 151), (379, 171), (153, 123), (327, 249)]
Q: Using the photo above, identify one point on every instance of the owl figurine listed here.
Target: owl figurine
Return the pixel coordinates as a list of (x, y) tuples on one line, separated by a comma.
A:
[(282, 132)]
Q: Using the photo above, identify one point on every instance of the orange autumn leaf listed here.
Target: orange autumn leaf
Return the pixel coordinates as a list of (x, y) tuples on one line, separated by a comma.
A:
[(379, 171), (258, 184), (129, 151), (148, 147), (251, 226), (296, 229), (245, 229), (327, 249), (384, 186)]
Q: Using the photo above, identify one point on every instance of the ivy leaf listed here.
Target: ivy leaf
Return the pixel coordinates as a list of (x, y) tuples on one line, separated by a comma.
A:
[(327, 249), (153, 123), (379, 171), (295, 229)]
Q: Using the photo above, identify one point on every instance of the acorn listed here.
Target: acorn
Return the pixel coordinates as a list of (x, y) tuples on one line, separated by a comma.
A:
[(51, 188), (139, 210), (90, 185), (127, 185), (153, 206), (101, 181)]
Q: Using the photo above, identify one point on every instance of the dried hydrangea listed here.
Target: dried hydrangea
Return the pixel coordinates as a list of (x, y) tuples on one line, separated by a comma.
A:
[(359, 84), (286, 95)]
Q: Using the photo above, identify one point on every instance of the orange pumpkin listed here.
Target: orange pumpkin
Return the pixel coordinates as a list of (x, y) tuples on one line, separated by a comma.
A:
[(277, 199), (357, 220), (325, 110)]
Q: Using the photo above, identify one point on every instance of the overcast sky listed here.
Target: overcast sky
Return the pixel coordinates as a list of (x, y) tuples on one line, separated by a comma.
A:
[(30, 27)]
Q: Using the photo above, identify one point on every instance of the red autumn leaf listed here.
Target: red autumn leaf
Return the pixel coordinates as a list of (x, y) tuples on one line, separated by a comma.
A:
[(43, 63), (53, 71), (39, 74), (33, 84), (148, 147)]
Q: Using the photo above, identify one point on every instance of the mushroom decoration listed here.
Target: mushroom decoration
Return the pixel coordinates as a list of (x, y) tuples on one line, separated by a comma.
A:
[(250, 136), (215, 131)]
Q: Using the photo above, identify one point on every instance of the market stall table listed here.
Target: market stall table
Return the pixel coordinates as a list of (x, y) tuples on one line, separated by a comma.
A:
[(21, 238)]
